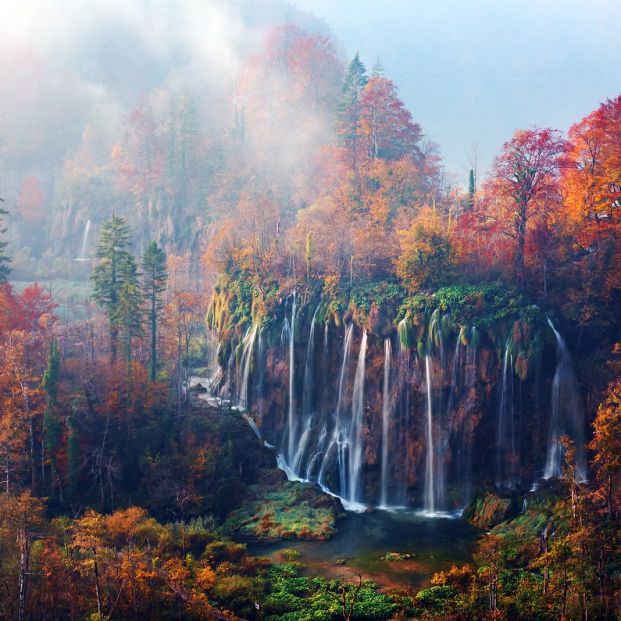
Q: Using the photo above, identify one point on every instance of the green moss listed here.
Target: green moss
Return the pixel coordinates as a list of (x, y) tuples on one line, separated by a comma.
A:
[(487, 510), (291, 510)]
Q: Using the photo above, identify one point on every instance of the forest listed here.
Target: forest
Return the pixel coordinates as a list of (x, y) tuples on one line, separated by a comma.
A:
[(262, 356)]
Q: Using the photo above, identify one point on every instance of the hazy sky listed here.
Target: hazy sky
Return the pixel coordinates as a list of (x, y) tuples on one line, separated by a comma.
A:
[(475, 70), (469, 70)]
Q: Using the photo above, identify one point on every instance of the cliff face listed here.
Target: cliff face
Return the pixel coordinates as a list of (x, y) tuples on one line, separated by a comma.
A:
[(422, 411)]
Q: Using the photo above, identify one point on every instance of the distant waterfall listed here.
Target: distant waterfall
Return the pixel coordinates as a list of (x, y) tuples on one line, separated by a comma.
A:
[(505, 430), (567, 415), (356, 440), (85, 237), (429, 499), (386, 413)]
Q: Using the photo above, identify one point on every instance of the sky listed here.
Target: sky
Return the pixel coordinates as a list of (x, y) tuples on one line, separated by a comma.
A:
[(473, 71), (470, 71)]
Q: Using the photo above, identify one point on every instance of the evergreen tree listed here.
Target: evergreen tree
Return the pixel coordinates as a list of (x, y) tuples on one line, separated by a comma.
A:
[(182, 149), (128, 315), (349, 110), (154, 278), (4, 259), (378, 69), (471, 189), (115, 275)]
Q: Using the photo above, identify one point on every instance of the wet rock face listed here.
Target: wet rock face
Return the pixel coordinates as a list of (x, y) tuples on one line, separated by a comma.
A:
[(465, 386)]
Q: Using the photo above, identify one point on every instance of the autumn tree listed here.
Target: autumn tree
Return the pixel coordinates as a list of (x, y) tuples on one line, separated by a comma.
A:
[(154, 278), (31, 199), (21, 523), (425, 257), (606, 446), (591, 187), (386, 127), (525, 175)]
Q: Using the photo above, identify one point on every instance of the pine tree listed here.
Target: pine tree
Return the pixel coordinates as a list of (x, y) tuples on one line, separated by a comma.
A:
[(378, 69), (471, 189), (4, 259), (349, 110), (128, 314), (154, 277), (115, 275)]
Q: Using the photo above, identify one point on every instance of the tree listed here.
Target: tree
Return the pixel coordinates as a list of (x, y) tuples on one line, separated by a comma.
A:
[(606, 445), (128, 315), (4, 259), (471, 189), (525, 174), (386, 127), (31, 199), (154, 278), (591, 188), (425, 256), (350, 108), (52, 430), (21, 523), (115, 276)]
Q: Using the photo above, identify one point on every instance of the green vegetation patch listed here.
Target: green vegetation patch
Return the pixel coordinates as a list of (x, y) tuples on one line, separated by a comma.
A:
[(292, 510), (487, 510), (292, 597)]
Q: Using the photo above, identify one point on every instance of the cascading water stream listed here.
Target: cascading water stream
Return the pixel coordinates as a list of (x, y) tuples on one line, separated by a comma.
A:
[(291, 413), (505, 440), (386, 413), (337, 442), (429, 499), (355, 439), (466, 444), (84, 249), (246, 360), (307, 400), (567, 414)]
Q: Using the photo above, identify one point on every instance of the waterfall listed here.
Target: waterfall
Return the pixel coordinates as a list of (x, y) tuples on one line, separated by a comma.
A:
[(337, 441), (356, 440), (246, 359), (309, 383), (261, 371), (307, 401), (567, 414), (402, 420), (87, 230), (386, 411), (429, 494), (291, 413), (466, 445), (505, 438)]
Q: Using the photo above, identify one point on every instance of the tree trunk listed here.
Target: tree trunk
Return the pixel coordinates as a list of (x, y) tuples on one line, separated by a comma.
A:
[(23, 570), (521, 238), (153, 338)]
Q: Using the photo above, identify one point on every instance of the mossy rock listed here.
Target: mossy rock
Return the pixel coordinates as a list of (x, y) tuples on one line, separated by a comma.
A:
[(487, 510), (289, 510)]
